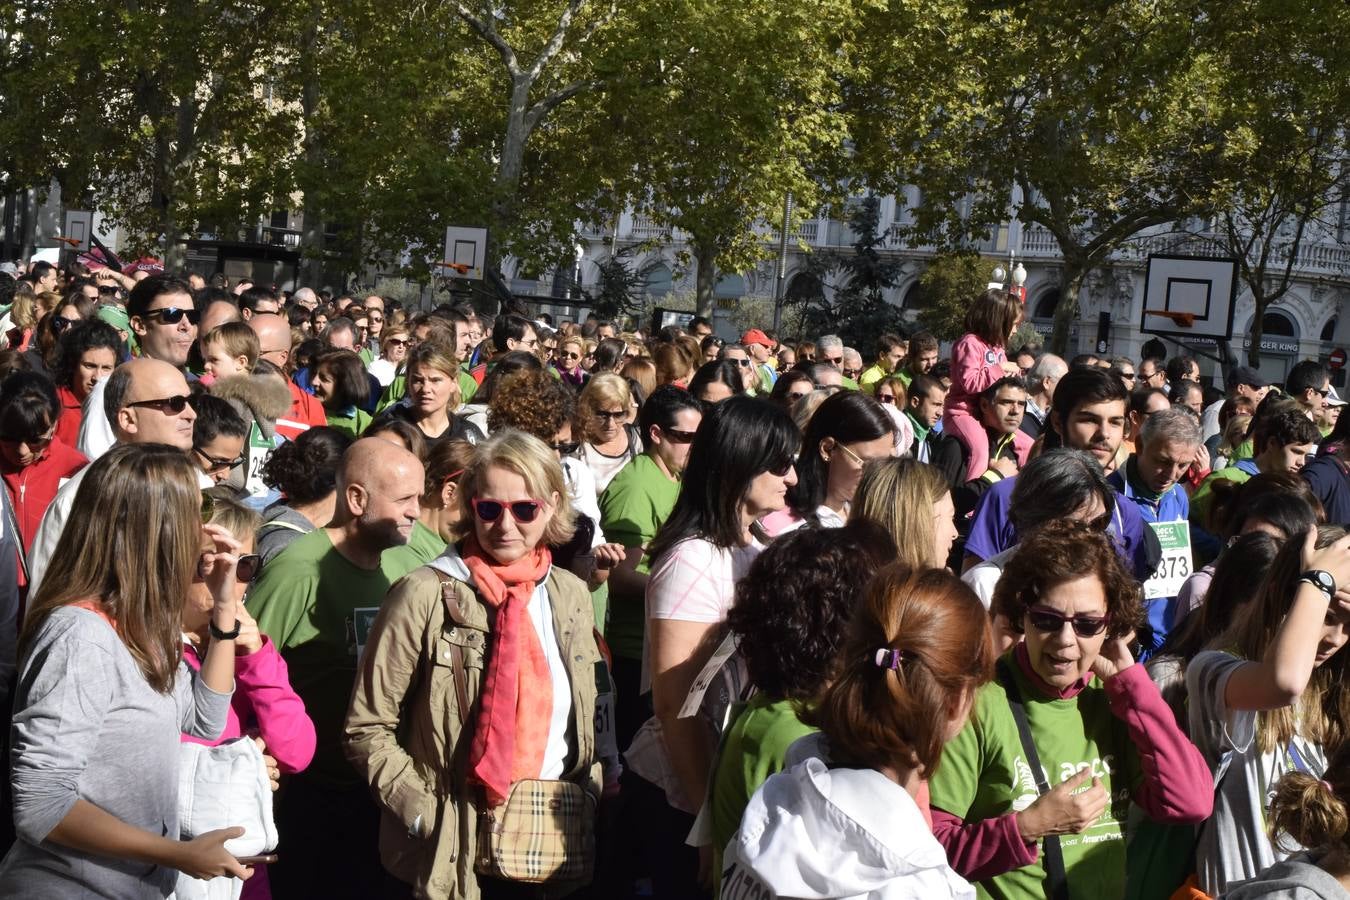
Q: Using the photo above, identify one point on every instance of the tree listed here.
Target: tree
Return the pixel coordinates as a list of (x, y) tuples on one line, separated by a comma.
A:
[(158, 115), (946, 288), (621, 286), (1285, 100)]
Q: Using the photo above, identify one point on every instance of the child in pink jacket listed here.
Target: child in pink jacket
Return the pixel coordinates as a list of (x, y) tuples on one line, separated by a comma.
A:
[(979, 360)]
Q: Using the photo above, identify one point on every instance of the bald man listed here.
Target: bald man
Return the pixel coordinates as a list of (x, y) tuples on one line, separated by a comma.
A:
[(317, 600), (274, 342), (144, 401)]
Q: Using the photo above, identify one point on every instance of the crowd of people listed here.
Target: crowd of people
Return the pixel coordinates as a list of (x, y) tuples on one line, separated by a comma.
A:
[(310, 595)]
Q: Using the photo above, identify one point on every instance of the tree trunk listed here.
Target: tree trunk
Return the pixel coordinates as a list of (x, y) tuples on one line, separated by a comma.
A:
[(175, 250), (1066, 313), (509, 169), (705, 278), (1261, 301)]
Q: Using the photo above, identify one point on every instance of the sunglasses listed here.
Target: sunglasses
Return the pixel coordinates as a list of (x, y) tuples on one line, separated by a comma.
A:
[(169, 406), (571, 355), (834, 360), (61, 323), (794, 396), (743, 363), (676, 436), (398, 342), (216, 463), (523, 511), (611, 416), (244, 572), (36, 443), (783, 468), (566, 448), (172, 315), (1050, 621)]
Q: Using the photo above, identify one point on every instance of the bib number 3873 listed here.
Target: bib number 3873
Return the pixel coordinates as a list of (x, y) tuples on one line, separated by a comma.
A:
[(1175, 566)]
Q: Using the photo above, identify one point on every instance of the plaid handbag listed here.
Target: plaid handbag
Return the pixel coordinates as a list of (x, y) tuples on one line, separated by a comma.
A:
[(545, 831)]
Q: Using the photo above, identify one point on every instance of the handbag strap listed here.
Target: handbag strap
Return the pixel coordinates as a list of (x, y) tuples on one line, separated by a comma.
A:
[(457, 667), (1056, 882)]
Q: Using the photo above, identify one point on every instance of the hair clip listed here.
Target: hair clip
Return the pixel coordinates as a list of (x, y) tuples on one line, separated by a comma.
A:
[(1327, 784), (891, 658)]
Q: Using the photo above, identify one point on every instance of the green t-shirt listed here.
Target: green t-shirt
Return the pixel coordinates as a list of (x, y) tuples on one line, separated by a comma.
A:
[(352, 426), (307, 601), (870, 376), (984, 775), (850, 384), (638, 500), (423, 546), (753, 748)]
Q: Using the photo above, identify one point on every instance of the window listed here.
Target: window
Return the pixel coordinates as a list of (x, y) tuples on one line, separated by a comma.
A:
[(1045, 306)]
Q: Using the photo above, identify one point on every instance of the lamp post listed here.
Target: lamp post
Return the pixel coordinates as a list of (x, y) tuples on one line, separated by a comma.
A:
[(580, 251), (780, 282)]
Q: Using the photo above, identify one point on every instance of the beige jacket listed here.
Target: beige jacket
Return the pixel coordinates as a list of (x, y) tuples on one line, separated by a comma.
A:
[(406, 731)]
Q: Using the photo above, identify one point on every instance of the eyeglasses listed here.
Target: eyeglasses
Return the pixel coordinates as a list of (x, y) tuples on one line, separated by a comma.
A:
[(531, 343), (523, 511), (834, 360), (794, 396), (61, 323), (783, 468), (373, 318), (616, 416), (398, 342), (169, 406), (244, 571), (216, 463), (676, 436), (37, 443), (850, 373), (172, 315), (886, 398), (1321, 392), (566, 448), (1051, 621)]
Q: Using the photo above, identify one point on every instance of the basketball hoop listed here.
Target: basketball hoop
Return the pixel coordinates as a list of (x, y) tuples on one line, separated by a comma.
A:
[(1183, 319), (461, 268)]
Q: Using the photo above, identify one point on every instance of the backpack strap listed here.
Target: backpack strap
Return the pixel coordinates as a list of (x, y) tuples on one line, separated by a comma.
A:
[(454, 614)]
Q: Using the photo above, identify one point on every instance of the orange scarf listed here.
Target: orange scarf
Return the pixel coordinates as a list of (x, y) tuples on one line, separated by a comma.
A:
[(512, 732)]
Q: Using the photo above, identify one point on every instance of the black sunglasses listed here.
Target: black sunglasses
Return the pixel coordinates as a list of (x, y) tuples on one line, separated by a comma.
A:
[(783, 468), (566, 448), (1051, 621), (244, 572), (172, 315), (612, 416), (61, 323), (677, 436), (216, 463), (170, 406)]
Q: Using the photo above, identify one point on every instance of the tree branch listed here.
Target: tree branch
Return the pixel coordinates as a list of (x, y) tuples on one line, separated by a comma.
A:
[(556, 99), (487, 32), (555, 41)]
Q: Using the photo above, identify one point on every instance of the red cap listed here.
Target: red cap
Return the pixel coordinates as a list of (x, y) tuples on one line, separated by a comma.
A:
[(755, 336)]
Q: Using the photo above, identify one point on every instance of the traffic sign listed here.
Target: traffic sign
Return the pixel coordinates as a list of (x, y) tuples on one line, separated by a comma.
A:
[(1337, 358)]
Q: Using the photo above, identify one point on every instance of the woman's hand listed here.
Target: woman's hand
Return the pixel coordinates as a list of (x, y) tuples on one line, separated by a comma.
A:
[(1010, 368), (1334, 558), (250, 639), (205, 857), (218, 571), (270, 762), (1114, 657), (1061, 811)]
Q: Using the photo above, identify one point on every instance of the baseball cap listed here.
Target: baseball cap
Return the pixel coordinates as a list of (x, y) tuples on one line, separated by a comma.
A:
[(1334, 399), (1248, 376), (755, 336)]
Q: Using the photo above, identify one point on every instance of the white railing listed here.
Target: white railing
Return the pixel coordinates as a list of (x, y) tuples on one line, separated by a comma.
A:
[(645, 227)]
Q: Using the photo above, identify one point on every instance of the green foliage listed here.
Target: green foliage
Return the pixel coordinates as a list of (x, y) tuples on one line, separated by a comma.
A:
[(621, 287), (947, 287)]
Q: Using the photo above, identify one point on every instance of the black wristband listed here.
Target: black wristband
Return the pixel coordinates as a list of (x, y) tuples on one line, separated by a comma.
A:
[(218, 635)]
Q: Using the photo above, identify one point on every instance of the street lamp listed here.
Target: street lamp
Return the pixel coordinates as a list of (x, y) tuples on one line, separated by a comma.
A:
[(580, 251)]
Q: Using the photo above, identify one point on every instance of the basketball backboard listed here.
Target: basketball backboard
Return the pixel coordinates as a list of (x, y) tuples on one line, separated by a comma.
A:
[(1190, 296), (465, 252)]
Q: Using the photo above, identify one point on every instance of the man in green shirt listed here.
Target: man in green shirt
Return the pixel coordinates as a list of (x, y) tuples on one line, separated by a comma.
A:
[(923, 355), (891, 349), (632, 508), (316, 601)]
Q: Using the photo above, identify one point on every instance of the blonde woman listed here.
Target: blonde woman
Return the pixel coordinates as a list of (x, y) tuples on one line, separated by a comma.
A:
[(432, 748), (912, 502), (394, 345), (104, 693), (608, 442), (433, 396), (571, 352)]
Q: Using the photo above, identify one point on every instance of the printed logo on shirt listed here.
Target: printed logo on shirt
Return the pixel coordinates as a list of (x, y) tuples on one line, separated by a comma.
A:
[(738, 884), (1024, 783), (990, 357)]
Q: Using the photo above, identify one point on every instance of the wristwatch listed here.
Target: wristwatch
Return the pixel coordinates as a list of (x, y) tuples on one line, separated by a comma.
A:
[(218, 635), (1320, 580)]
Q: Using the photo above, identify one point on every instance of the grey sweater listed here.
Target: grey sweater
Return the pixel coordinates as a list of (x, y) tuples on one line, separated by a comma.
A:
[(1296, 878), (87, 726)]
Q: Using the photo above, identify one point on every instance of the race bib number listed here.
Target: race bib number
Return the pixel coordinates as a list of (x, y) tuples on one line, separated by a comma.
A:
[(259, 451), (1175, 566)]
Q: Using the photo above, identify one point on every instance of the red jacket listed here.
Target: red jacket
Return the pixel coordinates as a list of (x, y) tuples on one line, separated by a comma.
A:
[(32, 488), (306, 413), (72, 414)]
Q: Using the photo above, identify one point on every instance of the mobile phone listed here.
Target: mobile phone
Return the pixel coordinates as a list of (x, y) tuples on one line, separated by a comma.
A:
[(261, 860)]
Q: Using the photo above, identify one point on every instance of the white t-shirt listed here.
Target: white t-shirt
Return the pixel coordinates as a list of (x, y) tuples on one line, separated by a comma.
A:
[(983, 578), (694, 581)]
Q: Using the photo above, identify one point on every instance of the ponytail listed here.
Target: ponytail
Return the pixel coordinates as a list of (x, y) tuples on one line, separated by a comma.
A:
[(1310, 811)]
